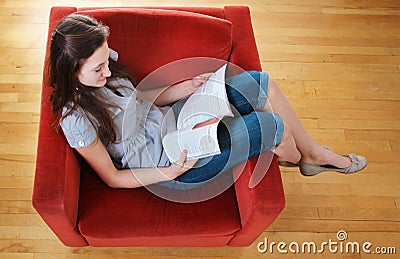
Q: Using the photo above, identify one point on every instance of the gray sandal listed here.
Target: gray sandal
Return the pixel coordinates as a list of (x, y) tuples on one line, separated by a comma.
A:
[(357, 164), (289, 164)]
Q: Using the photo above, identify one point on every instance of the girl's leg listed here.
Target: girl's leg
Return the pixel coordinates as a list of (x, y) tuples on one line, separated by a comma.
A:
[(240, 138), (311, 151), (287, 149), (246, 93)]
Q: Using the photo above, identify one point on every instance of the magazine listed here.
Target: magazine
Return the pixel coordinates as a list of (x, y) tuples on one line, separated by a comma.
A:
[(198, 121)]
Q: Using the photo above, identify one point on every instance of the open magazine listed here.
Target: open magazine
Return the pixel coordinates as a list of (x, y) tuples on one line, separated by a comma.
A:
[(198, 121)]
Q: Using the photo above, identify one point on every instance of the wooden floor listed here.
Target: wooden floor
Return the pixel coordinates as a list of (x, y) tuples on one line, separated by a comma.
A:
[(338, 62)]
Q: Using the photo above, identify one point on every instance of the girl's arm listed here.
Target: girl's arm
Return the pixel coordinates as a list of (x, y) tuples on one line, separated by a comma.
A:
[(164, 96), (98, 158)]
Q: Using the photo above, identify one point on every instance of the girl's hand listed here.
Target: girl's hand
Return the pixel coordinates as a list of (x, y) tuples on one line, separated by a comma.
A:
[(200, 79), (182, 165)]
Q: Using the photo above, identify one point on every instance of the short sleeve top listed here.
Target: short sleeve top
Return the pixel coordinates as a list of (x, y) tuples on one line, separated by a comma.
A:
[(139, 127)]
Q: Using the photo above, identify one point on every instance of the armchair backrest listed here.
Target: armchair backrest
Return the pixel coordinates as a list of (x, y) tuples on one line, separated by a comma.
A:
[(147, 39)]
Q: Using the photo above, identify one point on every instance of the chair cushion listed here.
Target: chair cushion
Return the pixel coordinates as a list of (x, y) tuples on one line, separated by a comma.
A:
[(118, 214), (149, 38)]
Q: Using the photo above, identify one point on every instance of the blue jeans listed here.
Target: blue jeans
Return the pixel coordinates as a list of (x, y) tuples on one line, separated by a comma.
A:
[(244, 136)]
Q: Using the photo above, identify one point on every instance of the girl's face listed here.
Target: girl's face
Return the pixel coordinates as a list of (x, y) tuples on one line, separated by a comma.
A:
[(94, 71)]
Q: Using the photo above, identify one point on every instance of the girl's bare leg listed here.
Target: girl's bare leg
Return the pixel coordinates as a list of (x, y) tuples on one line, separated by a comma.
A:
[(297, 138), (287, 150)]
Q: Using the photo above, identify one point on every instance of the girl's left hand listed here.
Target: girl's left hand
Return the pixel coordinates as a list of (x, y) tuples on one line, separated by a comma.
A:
[(181, 166), (200, 79)]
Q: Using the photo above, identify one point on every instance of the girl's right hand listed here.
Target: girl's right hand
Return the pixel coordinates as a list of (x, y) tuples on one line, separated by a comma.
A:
[(182, 165), (200, 79)]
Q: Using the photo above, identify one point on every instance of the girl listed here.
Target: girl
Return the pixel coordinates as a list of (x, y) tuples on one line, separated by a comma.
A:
[(91, 93)]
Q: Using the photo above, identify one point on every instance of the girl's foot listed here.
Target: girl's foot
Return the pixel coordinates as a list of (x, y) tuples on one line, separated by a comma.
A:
[(325, 156), (357, 164)]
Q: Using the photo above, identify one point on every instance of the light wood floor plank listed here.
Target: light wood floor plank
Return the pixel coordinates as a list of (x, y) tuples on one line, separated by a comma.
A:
[(298, 225), (16, 207), (20, 88), (15, 117)]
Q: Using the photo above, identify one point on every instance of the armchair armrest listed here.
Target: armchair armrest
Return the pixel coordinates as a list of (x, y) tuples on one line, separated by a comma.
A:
[(260, 205), (57, 177), (57, 180), (244, 51)]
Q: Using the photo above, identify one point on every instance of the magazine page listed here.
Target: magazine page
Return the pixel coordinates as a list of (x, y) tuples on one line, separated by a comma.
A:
[(208, 102), (200, 142), (198, 120)]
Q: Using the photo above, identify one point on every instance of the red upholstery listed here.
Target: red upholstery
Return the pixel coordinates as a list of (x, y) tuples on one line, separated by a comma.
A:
[(65, 185), (138, 216), (137, 33)]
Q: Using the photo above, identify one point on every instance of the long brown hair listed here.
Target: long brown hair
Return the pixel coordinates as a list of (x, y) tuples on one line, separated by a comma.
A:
[(73, 41)]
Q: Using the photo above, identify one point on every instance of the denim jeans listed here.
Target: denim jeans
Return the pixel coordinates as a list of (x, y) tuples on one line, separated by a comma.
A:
[(241, 137)]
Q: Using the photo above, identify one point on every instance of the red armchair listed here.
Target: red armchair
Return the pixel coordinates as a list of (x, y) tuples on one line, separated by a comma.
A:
[(82, 210)]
